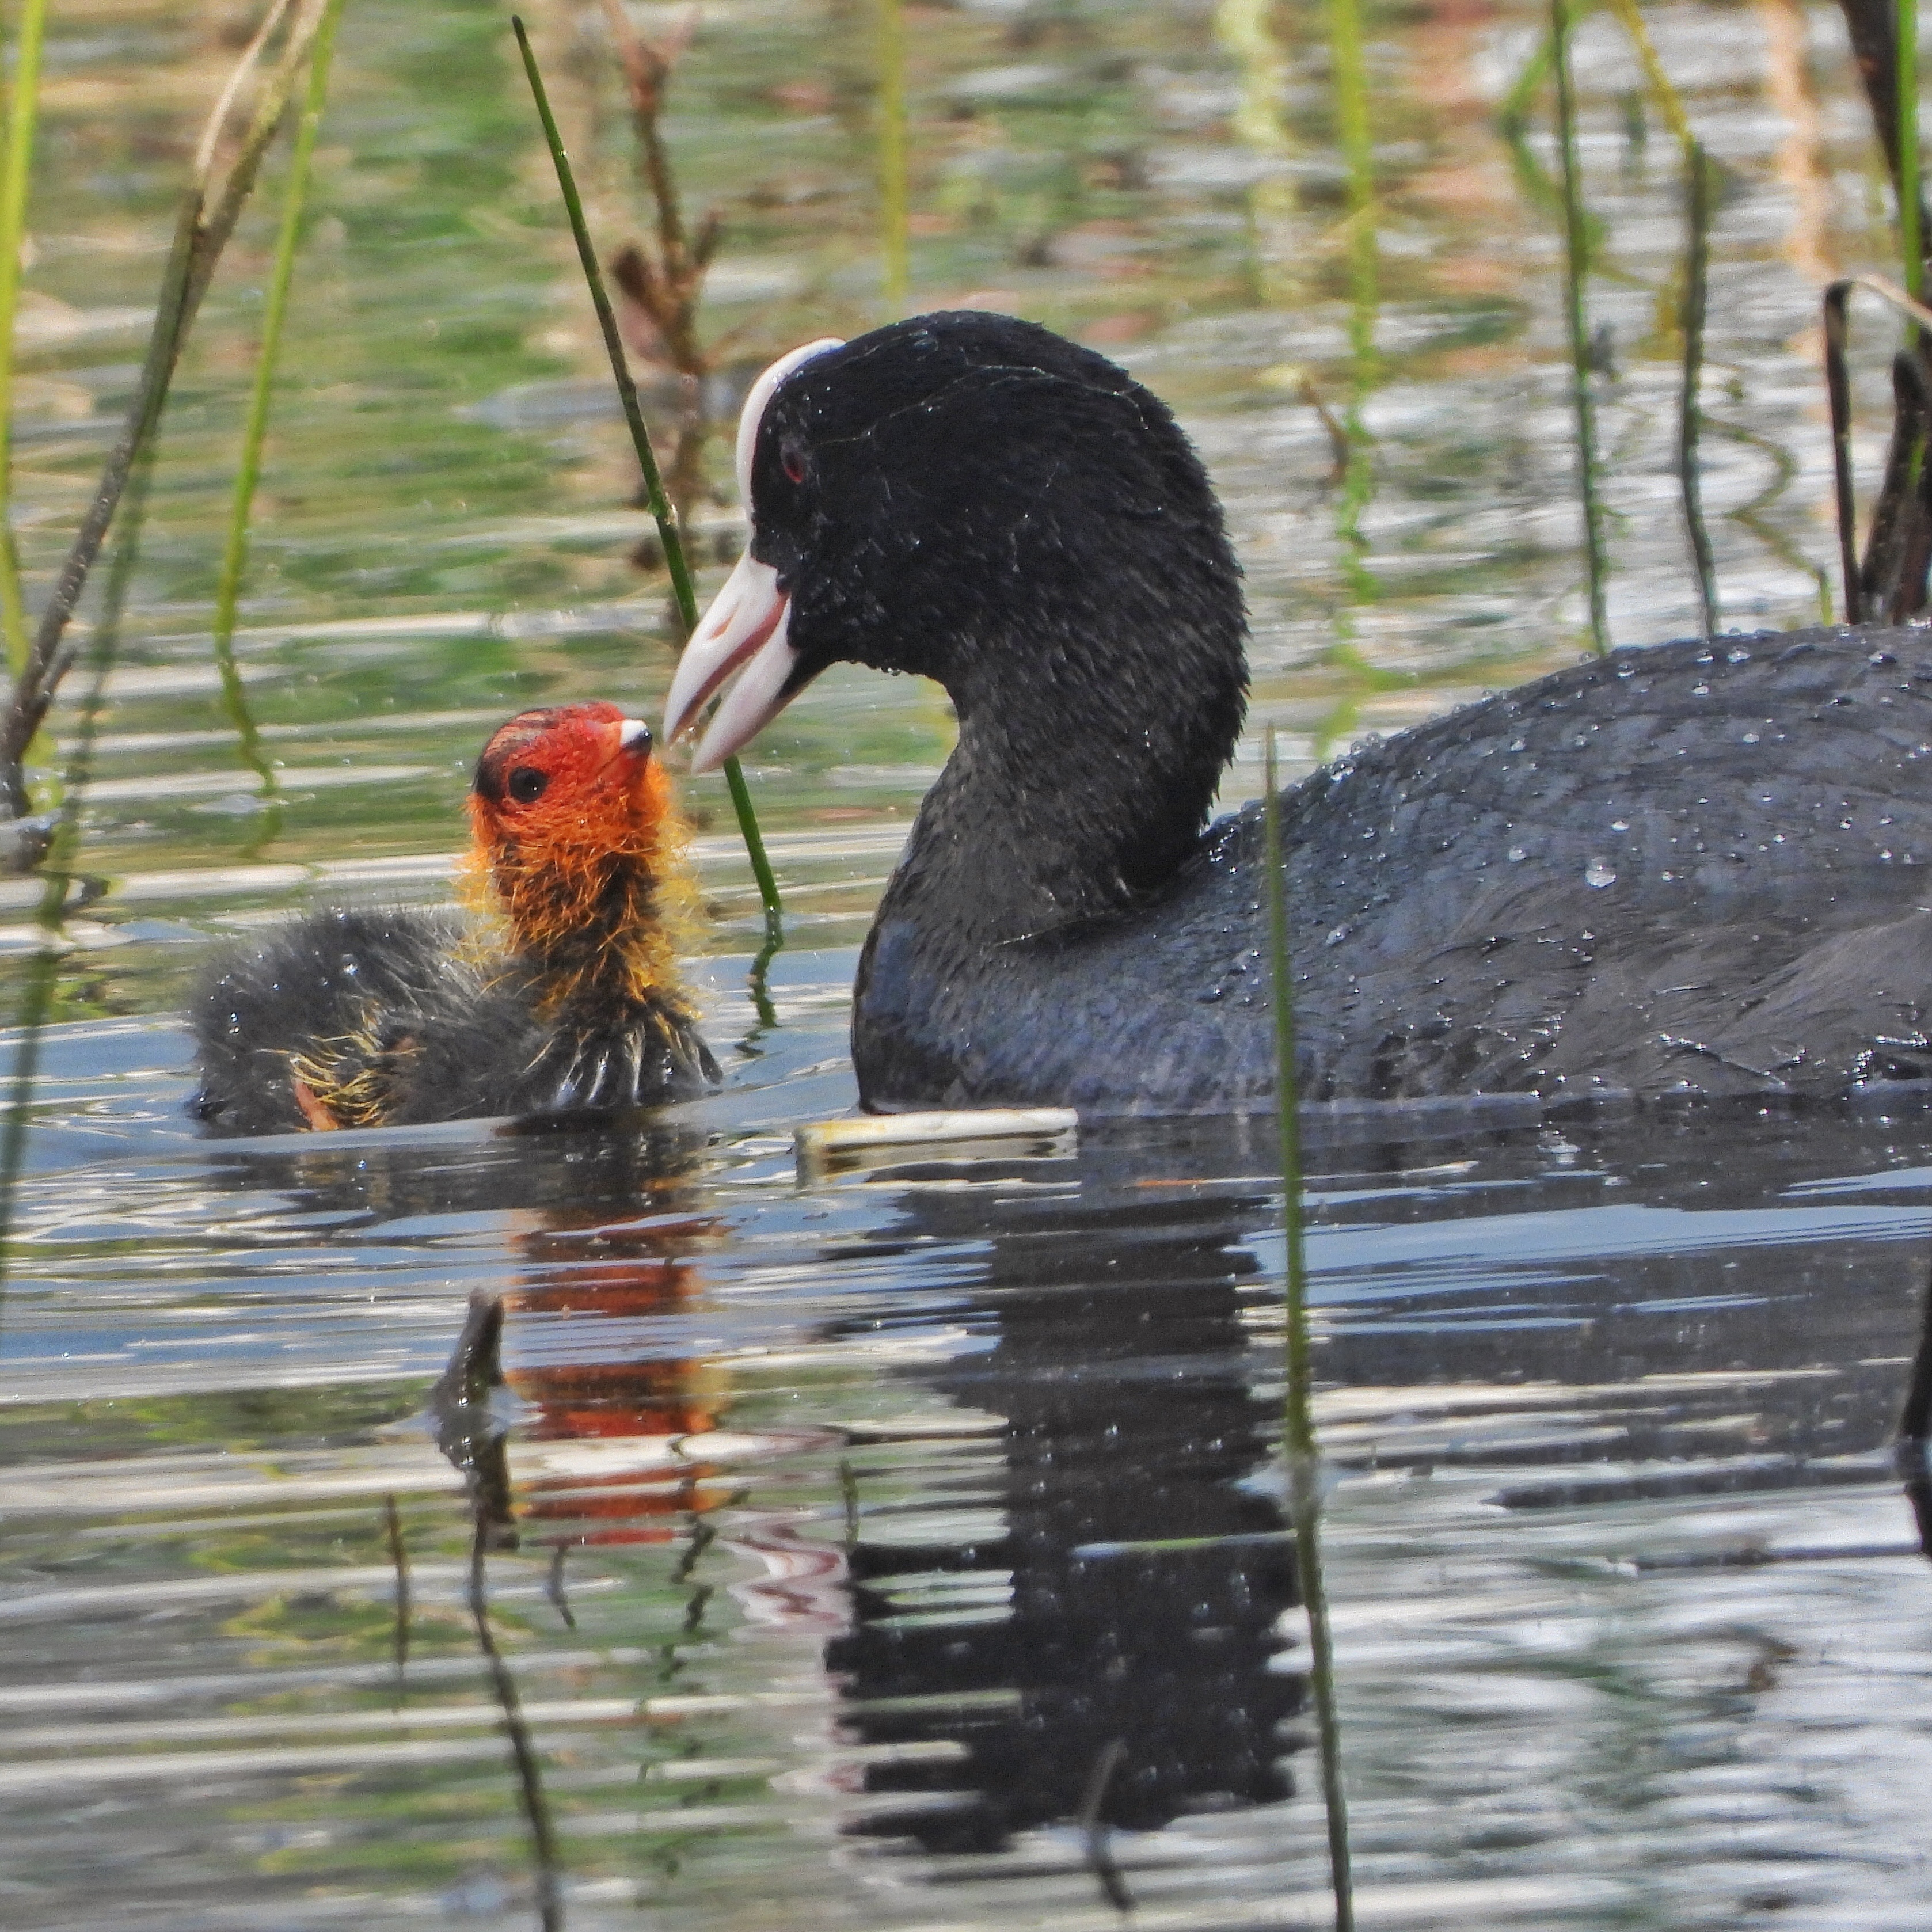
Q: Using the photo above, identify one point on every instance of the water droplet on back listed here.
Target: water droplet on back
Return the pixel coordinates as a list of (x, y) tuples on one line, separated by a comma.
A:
[(1600, 873)]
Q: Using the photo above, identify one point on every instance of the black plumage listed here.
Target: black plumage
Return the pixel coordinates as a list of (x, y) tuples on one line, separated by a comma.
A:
[(399, 1018), (1696, 867)]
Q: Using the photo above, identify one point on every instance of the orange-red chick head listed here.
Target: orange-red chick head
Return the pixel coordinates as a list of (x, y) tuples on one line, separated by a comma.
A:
[(567, 775), (574, 820)]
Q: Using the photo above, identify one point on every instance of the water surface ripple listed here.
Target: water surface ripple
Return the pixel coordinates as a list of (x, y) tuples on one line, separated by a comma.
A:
[(848, 1541)]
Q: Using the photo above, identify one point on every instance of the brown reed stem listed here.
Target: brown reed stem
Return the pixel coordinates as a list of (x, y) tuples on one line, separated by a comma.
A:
[(205, 222)]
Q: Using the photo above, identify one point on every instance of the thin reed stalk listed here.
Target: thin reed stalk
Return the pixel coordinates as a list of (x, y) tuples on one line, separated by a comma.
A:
[(1350, 94), (668, 534), (666, 286), (1096, 1839), (1350, 80), (516, 1728), (894, 218), (1301, 1452), (207, 219), (1577, 268), (1877, 585), (1912, 248), (1670, 102), (1250, 32), (1838, 393), (23, 109), (36, 996), (1910, 1451), (1696, 280), (248, 474), (399, 1561), (1514, 111)]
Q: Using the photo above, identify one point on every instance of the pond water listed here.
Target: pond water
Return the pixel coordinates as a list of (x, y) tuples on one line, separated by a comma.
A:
[(902, 1545)]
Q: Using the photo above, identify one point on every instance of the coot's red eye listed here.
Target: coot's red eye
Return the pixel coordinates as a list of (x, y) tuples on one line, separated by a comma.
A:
[(791, 460), (527, 784)]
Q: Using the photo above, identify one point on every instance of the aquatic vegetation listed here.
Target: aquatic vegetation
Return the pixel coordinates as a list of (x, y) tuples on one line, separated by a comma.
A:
[(661, 507), (1300, 1452), (22, 112), (248, 470), (895, 281), (1576, 268), (210, 209), (911, 1539)]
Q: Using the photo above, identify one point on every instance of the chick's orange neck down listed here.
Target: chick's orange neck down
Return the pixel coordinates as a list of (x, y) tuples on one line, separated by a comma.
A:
[(588, 875)]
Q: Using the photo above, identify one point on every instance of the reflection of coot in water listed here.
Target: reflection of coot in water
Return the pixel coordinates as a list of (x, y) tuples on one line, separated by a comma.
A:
[(1731, 1309), (1129, 1420), (1663, 1307)]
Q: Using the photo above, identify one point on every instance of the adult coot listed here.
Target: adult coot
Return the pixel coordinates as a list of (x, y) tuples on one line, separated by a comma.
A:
[(558, 989), (1699, 866)]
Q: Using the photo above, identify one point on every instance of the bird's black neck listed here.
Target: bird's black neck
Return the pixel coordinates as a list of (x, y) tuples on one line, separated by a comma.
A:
[(1038, 823)]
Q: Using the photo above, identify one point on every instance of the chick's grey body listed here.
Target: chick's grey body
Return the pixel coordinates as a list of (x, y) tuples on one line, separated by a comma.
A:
[(415, 1024), (1695, 866)]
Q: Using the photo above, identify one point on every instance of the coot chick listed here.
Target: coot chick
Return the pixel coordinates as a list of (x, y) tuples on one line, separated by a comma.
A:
[(1696, 867), (557, 989)]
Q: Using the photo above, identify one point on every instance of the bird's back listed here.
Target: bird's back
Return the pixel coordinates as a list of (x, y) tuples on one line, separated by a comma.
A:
[(1695, 865), (369, 1017)]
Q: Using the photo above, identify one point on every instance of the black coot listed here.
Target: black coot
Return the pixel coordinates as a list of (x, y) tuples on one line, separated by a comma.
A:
[(1696, 867), (557, 990)]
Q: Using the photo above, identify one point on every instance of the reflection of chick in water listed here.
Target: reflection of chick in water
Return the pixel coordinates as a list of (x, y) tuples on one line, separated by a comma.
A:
[(600, 1217), (599, 1275), (1139, 1634), (593, 1289)]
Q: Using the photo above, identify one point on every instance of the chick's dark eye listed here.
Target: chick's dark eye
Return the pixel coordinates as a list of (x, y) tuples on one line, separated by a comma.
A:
[(526, 784), (791, 459)]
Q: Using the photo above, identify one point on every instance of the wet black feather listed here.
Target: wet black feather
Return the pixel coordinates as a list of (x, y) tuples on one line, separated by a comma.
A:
[(1692, 867)]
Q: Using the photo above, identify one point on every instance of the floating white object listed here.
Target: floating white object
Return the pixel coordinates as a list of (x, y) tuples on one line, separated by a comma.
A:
[(820, 1143)]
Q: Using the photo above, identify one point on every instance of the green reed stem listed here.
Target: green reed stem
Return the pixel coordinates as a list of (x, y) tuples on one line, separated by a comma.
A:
[(1696, 281), (1576, 267), (209, 210), (23, 112), (1911, 244), (234, 554), (1303, 1457), (1351, 80), (894, 220), (1514, 111), (1838, 393), (1349, 83), (682, 587), (37, 997), (1670, 102)]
